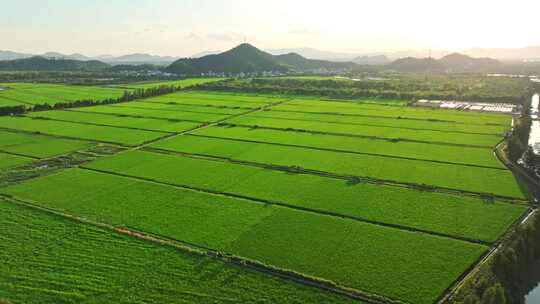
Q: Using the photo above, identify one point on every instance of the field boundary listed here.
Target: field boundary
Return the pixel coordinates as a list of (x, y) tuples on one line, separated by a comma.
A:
[(390, 139), (379, 116), (290, 206), (96, 124), (19, 154), (376, 125), (175, 111), (76, 110), (350, 178), (347, 151), (195, 105)]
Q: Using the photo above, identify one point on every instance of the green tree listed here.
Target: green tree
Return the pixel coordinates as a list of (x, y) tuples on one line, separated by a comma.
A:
[(494, 295)]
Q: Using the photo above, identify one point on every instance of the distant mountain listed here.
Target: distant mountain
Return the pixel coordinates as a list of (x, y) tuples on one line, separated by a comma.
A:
[(464, 63), (9, 55), (412, 64), (450, 63), (246, 58), (296, 62), (371, 60), (422, 53), (56, 55), (530, 52), (39, 63), (125, 59), (243, 58), (140, 59), (134, 68), (312, 53)]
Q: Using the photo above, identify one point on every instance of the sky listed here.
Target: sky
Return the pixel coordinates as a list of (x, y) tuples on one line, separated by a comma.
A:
[(185, 27)]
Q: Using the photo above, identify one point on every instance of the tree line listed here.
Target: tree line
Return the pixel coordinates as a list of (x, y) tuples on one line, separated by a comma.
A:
[(467, 88)]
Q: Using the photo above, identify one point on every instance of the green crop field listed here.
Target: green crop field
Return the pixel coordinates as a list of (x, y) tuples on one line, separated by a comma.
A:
[(404, 112), (10, 160), (153, 113), (425, 151), (414, 124), (476, 179), (428, 211), (286, 243), (371, 197), (176, 83), (47, 259), (372, 131), (33, 145), (80, 131), (7, 102), (33, 93), (117, 121), (196, 99), (180, 108), (225, 96)]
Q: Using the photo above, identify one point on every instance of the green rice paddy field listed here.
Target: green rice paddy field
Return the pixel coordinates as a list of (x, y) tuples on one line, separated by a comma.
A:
[(38, 146), (31, 93), (176, 83), (49, 259), (383, 200)]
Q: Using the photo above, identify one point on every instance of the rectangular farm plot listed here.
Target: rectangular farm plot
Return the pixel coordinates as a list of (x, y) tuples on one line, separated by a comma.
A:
[(117, 121), (404, 112), (358, 255), (10, 160), (187, 98), (153, 113), (322, 246), (434, 136), (227, 96), (49, 259), (338, 104), (40, 146), (414, 150), (175, 83), (80, 131), (428, 211), (52, 93), (181, 108), (28, 98), (203, 219), (459, 177), (413, 124), (7, 102)]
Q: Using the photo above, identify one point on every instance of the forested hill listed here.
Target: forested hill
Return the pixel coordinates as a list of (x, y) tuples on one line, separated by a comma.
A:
[(246, 58), (449, 63), (46, 64)]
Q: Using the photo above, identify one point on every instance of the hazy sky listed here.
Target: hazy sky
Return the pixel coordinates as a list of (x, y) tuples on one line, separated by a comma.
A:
[(185, 27)]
